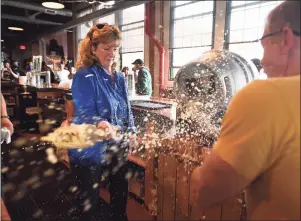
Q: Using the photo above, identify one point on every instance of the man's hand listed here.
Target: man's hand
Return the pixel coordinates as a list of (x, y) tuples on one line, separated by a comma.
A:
[(5, 122)]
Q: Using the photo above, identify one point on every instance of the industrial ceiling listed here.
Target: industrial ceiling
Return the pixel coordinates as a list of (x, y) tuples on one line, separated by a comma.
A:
[(37, 20)]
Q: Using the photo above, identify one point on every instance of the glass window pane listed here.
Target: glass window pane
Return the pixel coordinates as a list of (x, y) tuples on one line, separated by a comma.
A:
[(206, 24), (129, 58), (250, 34), (247, 50), (110, 19), (237, 20), (132, 40), (236, 36), (248, 21), (132, 14), (251, 18), (195, 8), (177, 3), (173, 72), (184, 55), (207, 39)]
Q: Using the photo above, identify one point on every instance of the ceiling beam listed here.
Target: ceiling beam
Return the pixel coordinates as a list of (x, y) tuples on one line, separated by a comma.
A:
[(82, 6), (28, 20), (33, 16), (36, 7), (92, 16)]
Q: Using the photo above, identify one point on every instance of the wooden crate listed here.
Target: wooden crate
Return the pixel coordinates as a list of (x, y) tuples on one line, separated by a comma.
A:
[(174, 195)]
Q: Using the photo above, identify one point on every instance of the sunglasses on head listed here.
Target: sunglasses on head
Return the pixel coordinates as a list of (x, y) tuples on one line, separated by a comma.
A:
[(99, 26)]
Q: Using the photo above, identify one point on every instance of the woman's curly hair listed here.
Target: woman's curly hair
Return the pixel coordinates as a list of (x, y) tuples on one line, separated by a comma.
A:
[(99, 33)]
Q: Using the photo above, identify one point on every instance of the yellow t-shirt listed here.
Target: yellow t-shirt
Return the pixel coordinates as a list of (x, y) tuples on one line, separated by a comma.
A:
[(260, 139)]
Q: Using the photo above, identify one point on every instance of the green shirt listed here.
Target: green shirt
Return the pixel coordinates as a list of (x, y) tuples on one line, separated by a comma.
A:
[(144, 82)]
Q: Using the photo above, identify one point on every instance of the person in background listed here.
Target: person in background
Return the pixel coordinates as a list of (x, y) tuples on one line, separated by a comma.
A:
[(5, 122), (257, 64), (260, 150), (144, 79), (100, 98), (28, 67), (259, 67), (125, 71), (45, 67), (114, 66), (16, 69), (135, 74), (63, 73), (7, 73), (68, 83)]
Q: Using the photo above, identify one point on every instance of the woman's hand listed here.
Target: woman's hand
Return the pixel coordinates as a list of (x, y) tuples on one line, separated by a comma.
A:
[(65, 123), (132, 142), (105, 125)]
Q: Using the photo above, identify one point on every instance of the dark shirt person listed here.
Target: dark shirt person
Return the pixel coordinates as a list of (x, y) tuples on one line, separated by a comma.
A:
[(7, 72), (144, 79), (16, 69)]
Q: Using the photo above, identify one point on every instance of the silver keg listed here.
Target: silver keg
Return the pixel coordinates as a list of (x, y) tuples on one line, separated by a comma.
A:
[(204, 87)]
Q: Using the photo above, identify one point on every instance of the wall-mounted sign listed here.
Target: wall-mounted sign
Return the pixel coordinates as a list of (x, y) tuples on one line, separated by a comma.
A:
[(22, 47)]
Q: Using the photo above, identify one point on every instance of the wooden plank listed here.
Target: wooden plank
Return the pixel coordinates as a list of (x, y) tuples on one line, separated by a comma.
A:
[(194, 212), (182, 191), (231, 210), (160, 188), (169, 201), (151, 189), (150, 174), (213, 213)]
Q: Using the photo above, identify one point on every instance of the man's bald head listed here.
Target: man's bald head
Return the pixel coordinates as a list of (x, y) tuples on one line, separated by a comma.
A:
[(281, 44), (285, 14)]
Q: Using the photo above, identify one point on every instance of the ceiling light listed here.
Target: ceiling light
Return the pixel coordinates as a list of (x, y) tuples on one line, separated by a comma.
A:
[(53, 5), (15, 28), (110, 3)]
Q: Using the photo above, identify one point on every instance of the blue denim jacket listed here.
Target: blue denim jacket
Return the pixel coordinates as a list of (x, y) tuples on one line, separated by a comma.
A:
[(96, 98)]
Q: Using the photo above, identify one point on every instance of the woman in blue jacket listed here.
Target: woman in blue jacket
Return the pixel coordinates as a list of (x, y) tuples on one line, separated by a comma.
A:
[(100, 97)]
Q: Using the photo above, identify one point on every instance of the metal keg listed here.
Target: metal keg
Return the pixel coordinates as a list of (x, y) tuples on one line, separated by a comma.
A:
[(204, 87)]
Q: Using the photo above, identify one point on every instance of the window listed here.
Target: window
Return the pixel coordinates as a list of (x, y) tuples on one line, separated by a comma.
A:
[(110, 19), (132, 28), (83, 29), (191, 32), (247, 24)]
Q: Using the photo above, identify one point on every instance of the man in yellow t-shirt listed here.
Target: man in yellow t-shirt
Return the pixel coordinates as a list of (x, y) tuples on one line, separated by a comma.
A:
[(259, 144)]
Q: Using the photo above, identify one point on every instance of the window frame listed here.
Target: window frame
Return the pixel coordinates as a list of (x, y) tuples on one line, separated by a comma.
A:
[(121, 24), (227, 29), (173, 6)]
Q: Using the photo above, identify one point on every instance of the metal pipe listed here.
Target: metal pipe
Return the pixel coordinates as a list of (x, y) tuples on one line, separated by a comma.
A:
[(157, 43), (28, 20), (36, 7)]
